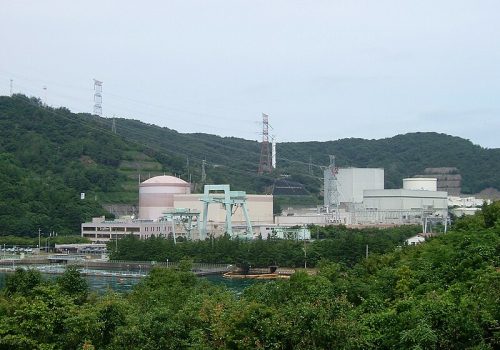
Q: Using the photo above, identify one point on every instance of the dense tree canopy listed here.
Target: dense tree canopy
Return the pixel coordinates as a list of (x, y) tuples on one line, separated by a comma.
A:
[(443, 294), (336, 243)]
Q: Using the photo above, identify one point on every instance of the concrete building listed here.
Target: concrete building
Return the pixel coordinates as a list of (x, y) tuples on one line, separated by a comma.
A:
[(161, 199), (401, 206), (281, 232), (415, 240), (310, 216), (101, 230), (402, 199), (351, 182), (157, 193), (423, 184), (161, 193), (260, 208), (465, 205)]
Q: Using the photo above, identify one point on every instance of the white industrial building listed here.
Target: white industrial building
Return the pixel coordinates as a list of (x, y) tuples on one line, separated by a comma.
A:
[(416, 194), (359, 198), (416, 200), (351, 182), (415, 240), (466, 205)]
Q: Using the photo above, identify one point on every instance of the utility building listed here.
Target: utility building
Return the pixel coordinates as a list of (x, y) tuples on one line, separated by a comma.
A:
[(402, 199), (417, 200), (351, 182), (166, 205)]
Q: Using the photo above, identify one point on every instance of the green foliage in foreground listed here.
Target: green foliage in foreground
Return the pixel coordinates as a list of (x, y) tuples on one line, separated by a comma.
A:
[(336, 243), (444, 294)]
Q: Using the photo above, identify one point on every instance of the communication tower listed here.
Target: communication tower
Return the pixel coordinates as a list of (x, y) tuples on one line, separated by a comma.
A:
[(98, 97), (265, 153)]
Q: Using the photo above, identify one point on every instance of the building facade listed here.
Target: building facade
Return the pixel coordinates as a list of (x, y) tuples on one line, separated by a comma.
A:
[(351, 182)]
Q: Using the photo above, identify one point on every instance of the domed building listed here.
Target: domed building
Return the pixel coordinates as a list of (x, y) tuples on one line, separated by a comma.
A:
[(157, 194), (165, 194)]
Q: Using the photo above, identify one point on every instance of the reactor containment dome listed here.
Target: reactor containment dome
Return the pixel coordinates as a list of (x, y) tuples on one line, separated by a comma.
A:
[(157, 193)]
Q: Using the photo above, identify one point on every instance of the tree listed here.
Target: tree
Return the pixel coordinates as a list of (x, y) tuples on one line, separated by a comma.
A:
[(22, 282), (73, 283)]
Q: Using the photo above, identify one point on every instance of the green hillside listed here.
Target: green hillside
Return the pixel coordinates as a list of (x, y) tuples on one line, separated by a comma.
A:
[(49, 156), (236, 160)]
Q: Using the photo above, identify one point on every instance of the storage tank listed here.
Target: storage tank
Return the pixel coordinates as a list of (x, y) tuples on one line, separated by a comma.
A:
[(157, 194), (421, 183)]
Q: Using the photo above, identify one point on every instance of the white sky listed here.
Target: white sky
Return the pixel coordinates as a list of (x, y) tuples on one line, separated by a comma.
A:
[(322, 70)]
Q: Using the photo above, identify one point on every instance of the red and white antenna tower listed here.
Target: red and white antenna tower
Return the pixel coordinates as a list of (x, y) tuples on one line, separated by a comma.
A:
[(265, 153)]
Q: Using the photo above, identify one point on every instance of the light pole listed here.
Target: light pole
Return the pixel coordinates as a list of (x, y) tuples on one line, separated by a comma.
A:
[(39, 242)]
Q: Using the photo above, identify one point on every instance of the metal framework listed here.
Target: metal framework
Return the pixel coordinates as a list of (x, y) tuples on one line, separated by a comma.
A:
[(98, 97), (429, 221), (333, 191), (265, 154), (188, 218), (222, 194)]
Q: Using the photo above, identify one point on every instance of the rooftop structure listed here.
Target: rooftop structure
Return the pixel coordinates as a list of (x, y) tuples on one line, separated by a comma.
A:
[(351, 182), (424, 184), (448, 179)]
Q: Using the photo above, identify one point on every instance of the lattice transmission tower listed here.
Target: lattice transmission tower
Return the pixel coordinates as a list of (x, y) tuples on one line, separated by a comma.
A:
[(265, 152), (332, 194), (98, 97)]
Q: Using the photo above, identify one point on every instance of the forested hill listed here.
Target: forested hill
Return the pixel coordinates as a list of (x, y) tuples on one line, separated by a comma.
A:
[(407, 155), (236, 160), (49, 156)]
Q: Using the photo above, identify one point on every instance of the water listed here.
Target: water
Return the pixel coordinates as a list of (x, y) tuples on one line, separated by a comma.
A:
[(97, 283), (101, 281), (236, 285)]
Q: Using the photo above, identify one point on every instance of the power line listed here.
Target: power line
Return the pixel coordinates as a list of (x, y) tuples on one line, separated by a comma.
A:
[(211, 143), (161, 107)]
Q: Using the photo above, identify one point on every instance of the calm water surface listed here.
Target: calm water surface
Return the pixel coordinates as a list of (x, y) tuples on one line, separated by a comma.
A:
[(101, 284)]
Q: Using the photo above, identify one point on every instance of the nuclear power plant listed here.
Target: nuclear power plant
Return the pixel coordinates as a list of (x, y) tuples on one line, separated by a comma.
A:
[(167, 208), (357, 197), (353, 197)]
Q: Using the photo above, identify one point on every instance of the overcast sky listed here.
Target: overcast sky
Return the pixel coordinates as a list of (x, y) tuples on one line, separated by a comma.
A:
[(322, 70)]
